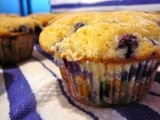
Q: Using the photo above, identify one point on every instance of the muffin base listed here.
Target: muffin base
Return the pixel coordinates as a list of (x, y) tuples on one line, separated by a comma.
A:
[(16, 49), (101, 84)]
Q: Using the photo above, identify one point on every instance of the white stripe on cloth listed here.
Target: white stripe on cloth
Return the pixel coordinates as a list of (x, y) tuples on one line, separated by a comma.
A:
[(57, 2), (150, 7), (4, 102), (109, 113), (49, 63), (151, 100), (51, 104)]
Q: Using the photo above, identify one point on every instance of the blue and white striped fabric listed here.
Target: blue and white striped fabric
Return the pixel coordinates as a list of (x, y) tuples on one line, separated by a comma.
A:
[(33, 90), (104, 5)]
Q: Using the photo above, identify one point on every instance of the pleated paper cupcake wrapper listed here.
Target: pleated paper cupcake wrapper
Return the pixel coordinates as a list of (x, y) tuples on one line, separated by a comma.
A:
[(16, 49), (102, 84)]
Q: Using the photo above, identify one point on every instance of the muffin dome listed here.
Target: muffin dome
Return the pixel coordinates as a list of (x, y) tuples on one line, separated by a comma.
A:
[(104, 36), (17, 36), (13, 26)]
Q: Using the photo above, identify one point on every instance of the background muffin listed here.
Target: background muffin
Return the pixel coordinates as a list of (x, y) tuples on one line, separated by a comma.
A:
[(17, 36), (43, 18), (105, 58)]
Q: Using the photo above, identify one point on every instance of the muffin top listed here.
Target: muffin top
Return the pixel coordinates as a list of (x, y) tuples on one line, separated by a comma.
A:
[(99, 36), (13, 26), (43, 17)]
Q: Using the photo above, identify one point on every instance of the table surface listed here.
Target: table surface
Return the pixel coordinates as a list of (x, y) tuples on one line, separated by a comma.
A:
[(33, 90)]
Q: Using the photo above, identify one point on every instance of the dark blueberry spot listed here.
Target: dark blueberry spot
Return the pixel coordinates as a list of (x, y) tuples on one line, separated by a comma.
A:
[(158, 24), (130, 42), (155, 43), (23, 28), (78, 25), (153, 54), (38, 30)]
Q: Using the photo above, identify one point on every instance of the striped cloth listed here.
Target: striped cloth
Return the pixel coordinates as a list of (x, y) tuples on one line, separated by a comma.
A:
[(33, 90), (104, 5)]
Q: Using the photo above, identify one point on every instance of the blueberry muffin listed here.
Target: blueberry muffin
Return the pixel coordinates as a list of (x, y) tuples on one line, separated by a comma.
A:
[(105, 58), (16, 39)]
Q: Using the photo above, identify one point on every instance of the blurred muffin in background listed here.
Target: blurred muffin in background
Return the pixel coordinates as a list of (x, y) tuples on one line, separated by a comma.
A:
[(43, 18), (17, 35)]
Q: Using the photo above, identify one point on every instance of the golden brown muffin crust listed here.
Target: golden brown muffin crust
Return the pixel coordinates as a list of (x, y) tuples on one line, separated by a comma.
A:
[(104, 36), (43, 17), (13, 26)]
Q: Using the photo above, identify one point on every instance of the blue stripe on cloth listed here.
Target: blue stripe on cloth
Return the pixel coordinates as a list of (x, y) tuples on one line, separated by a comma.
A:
[(39, 49), (137, 111), (65, 94), (154, 94), (22, 100), (106, 3)]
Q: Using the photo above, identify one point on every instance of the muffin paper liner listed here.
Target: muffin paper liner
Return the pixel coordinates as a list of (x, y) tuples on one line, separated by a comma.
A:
[(16, 49), (102, 84)]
